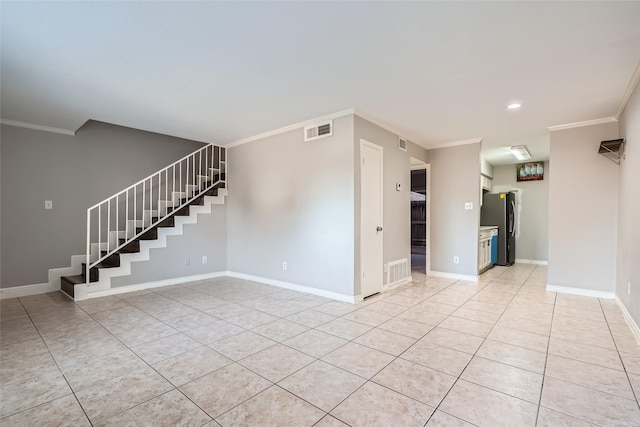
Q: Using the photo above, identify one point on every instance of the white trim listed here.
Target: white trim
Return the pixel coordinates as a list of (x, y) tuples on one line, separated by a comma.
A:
[(404, 281), (151, 285), (26, 290), (295, 287), (427, 261), (373, 146), (378, 123), (37, 127), (452, 276), (582, 124), (580, 291), (532, 261), (633, 83), (284, 129), (455, 143), (630, 321)]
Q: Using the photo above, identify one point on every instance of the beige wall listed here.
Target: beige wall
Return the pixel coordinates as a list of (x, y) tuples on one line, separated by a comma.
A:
[(206, 238), (455, 180), (628, 248), (292, 201), (74, 172), (583, 209), (397, 205)]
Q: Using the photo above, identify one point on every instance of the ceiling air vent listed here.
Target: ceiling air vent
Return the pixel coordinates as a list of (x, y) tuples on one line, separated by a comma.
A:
[(318, 131), (403, 144), (612, 150)]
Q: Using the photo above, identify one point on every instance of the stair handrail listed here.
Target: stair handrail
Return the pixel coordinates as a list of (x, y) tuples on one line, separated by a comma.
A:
[(191, 177)]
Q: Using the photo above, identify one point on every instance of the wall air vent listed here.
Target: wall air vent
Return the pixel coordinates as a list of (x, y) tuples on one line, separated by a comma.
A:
[(612, 150), (403, 144), (318, 131)]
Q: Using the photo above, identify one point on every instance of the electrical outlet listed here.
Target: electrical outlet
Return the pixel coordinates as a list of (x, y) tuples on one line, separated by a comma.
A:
[(204, 260), (468, 206), (284, 265), (456, 260), (187, 261), (629, 288)]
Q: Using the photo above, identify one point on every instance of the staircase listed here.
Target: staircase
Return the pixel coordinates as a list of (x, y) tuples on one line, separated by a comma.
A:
[(124, 227)]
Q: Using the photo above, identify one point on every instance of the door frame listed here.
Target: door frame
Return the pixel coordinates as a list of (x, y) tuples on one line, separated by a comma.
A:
[(364, 142), (427, 168)]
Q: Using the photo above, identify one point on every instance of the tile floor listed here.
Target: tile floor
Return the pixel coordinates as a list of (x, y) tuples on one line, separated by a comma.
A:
[(229, 352)]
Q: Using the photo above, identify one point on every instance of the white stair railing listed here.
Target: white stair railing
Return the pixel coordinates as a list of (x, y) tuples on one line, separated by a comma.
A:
[(120, 219)]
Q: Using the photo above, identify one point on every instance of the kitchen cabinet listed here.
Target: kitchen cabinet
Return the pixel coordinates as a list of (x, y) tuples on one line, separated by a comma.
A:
[(484, 249), (485, 183)]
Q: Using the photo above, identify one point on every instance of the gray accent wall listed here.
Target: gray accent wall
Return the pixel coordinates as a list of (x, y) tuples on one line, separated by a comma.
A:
[(396, 215), (74, 172), (206, 238), (532, 228), (628, 248), (583, 209), (293, 201), (455, 179)]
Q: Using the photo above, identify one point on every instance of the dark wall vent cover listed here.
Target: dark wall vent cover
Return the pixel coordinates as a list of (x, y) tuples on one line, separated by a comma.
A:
[(612, 149)]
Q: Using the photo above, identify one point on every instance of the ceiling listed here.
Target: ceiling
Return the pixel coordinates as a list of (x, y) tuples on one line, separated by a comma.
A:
[(436, 72)]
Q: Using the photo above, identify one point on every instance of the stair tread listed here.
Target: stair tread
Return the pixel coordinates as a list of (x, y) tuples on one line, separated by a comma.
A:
[(182, 209), (76, 280)]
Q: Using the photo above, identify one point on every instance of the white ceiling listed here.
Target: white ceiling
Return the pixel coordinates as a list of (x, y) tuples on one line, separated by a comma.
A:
[(437, 72)]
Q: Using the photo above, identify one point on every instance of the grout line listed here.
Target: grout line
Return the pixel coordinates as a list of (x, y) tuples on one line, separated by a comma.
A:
[(315, 359), (546, 358), (633, 392)]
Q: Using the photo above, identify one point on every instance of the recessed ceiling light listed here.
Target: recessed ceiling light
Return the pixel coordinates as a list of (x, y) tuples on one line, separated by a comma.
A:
[(514, 106)]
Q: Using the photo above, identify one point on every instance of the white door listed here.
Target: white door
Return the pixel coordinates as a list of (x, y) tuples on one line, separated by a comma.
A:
[(370, 218)]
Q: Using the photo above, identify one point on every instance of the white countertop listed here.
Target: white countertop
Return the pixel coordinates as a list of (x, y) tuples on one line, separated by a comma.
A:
[(487, 227)]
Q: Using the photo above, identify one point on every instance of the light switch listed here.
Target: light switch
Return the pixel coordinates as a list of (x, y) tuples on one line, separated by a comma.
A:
[(398, 186), (48, 204), (468, 206)]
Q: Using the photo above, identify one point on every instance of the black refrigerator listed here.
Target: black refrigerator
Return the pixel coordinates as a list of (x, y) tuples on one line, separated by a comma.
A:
[(500, 209)]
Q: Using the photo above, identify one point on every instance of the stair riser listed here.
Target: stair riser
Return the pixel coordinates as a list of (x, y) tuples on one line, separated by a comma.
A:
[(149, 236)]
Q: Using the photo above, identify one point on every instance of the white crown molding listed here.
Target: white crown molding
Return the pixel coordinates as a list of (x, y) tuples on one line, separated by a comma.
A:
[(580, 291), (288, 128), (311, 122), (582, 124), (452, 276), (456, 143), (631, 87), (37, 127), (378, 123)]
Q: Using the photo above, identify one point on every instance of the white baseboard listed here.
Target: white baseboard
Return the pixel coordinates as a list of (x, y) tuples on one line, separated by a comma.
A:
[(630, 321), (452, 276), (532, 261), (26, 290), (315, 291), (20, 291), (579, 291), (404, 281), (151, 285)]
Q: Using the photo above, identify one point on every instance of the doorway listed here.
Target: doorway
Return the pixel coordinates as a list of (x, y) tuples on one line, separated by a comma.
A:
[(371, 268), (419, 226)]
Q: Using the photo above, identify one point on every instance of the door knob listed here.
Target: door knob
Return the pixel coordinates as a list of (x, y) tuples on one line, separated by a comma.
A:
[(378, 229)]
